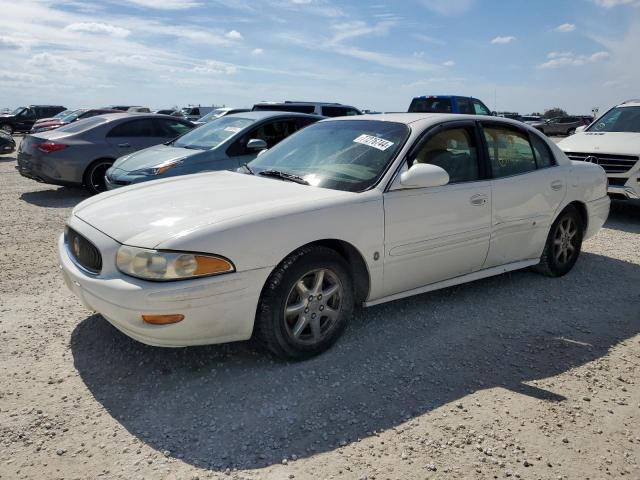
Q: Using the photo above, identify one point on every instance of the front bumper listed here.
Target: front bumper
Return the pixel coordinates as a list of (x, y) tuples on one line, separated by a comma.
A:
[(216, 309), (625, 187)]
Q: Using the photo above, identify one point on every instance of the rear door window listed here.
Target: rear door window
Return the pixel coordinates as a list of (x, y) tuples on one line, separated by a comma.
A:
[(286, 108), (272, 132), (430, 105), (510, 152), (136, 128), (172, 128), (333, 111), (464, 105)]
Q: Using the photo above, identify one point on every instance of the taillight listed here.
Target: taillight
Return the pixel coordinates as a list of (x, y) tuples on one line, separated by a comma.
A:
[(51, 147)]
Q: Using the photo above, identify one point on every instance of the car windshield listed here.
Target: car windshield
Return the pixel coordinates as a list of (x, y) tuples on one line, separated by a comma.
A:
[(212, 134), (17, 110), (430, 105), (71, 117), (218, 112), (619, 119), (348, 155)]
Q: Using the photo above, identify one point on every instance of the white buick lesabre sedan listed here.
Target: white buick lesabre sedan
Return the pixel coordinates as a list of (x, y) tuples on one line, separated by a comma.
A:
[(347, 211)]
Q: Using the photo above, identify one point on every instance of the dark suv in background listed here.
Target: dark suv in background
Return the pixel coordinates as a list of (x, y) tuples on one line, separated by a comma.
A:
[(323, 109), (23, 118), (448, 104)]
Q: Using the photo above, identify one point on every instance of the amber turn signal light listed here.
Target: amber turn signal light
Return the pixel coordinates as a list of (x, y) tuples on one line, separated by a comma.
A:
[(163, 319)]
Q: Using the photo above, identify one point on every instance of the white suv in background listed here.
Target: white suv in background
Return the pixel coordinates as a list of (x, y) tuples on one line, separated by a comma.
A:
[(613, 142)]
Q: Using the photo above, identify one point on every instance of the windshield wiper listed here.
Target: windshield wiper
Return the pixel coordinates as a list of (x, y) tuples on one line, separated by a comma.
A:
[(247, 168), (284, 176)]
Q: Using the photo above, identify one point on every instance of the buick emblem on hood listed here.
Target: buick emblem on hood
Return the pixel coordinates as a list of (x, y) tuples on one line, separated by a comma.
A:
[(592, 159)]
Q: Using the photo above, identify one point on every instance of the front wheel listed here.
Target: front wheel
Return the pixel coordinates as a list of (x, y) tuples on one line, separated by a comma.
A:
[(94, 180), (305, 304), (563, 244), (7, 129)]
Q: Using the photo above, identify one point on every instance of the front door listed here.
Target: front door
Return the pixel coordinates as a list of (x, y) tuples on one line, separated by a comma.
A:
[(433, 234)]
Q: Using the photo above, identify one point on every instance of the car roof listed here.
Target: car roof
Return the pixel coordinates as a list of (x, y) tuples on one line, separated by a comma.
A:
[(630, 103), (262, 114), (409, 118), (292, 102)]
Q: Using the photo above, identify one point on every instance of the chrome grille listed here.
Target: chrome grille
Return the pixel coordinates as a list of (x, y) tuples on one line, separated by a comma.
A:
[(610, 163), (83, 251)]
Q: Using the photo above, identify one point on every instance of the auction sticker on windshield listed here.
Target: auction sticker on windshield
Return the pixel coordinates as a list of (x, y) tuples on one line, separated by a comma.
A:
[(375, 142)]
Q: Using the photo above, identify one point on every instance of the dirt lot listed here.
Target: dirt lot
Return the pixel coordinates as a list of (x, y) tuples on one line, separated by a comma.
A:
[(516, 376)]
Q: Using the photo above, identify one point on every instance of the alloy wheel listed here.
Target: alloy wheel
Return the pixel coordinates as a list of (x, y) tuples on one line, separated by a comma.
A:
[(96, 176), (565, 241), (313, 306)]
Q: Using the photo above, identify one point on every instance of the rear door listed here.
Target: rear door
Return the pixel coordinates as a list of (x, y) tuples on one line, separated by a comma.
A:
[(527, 188), (25, 119), (134, 134)]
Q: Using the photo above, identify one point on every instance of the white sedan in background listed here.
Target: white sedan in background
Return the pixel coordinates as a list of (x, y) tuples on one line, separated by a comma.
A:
[(347, 211)]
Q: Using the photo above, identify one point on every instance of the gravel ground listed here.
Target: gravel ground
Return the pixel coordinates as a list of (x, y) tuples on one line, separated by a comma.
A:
[(516, 376)]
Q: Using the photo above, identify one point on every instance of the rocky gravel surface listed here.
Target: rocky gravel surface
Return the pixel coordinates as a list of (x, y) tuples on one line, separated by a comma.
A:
[(517, 376)]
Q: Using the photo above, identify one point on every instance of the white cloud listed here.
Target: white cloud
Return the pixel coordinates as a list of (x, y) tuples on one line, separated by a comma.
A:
[(616, 3), (565, 28), (448, 7), (562, 59), (166, 4), (100, 28), (503, 40), (55, 63), (215, 67), (449, 63), (9, 43), (257, 51), (233, 35)]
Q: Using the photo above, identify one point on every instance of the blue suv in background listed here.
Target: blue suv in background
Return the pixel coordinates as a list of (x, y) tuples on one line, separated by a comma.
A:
[(448, 104)]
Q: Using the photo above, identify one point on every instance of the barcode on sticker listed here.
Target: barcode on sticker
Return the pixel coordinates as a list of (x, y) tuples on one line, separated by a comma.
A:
[(232, 129), (375, 142)]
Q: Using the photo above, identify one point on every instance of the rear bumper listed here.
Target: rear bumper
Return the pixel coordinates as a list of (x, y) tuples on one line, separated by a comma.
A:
[(598, 211)]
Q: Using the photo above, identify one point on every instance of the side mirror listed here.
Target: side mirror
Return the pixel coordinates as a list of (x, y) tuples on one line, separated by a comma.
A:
[(262, 151), (256, 144), (581, 129), (423, 175)]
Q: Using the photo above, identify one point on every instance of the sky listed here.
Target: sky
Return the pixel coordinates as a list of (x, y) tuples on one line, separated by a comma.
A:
[(515, 55)]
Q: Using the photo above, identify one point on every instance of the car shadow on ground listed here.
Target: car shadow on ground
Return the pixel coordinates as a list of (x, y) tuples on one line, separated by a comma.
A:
[(62, 197), (232, 406), (624, 216)]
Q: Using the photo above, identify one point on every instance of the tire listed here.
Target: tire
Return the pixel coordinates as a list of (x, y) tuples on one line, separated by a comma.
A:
[(7, 128), (571, 131), (307, 329), (94, 176), (562, 249)]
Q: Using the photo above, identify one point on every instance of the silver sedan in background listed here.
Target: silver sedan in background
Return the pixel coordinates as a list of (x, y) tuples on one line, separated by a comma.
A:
[(80, 153)]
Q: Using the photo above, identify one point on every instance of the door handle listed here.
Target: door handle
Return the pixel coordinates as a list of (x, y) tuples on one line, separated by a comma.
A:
[(124, 145), (557, 185), (478, 200)]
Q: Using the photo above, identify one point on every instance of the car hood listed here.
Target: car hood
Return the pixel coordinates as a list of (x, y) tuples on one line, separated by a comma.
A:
[(613, 143), (150, 213), (152, 157)]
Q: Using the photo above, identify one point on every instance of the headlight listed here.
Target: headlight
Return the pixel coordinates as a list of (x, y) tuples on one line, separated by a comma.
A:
[(165, 266), (159, 170)]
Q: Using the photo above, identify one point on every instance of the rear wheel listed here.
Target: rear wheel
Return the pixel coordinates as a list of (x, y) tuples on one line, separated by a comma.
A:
[(563, 244), (306, 304), (94, 176), (7, 128)]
